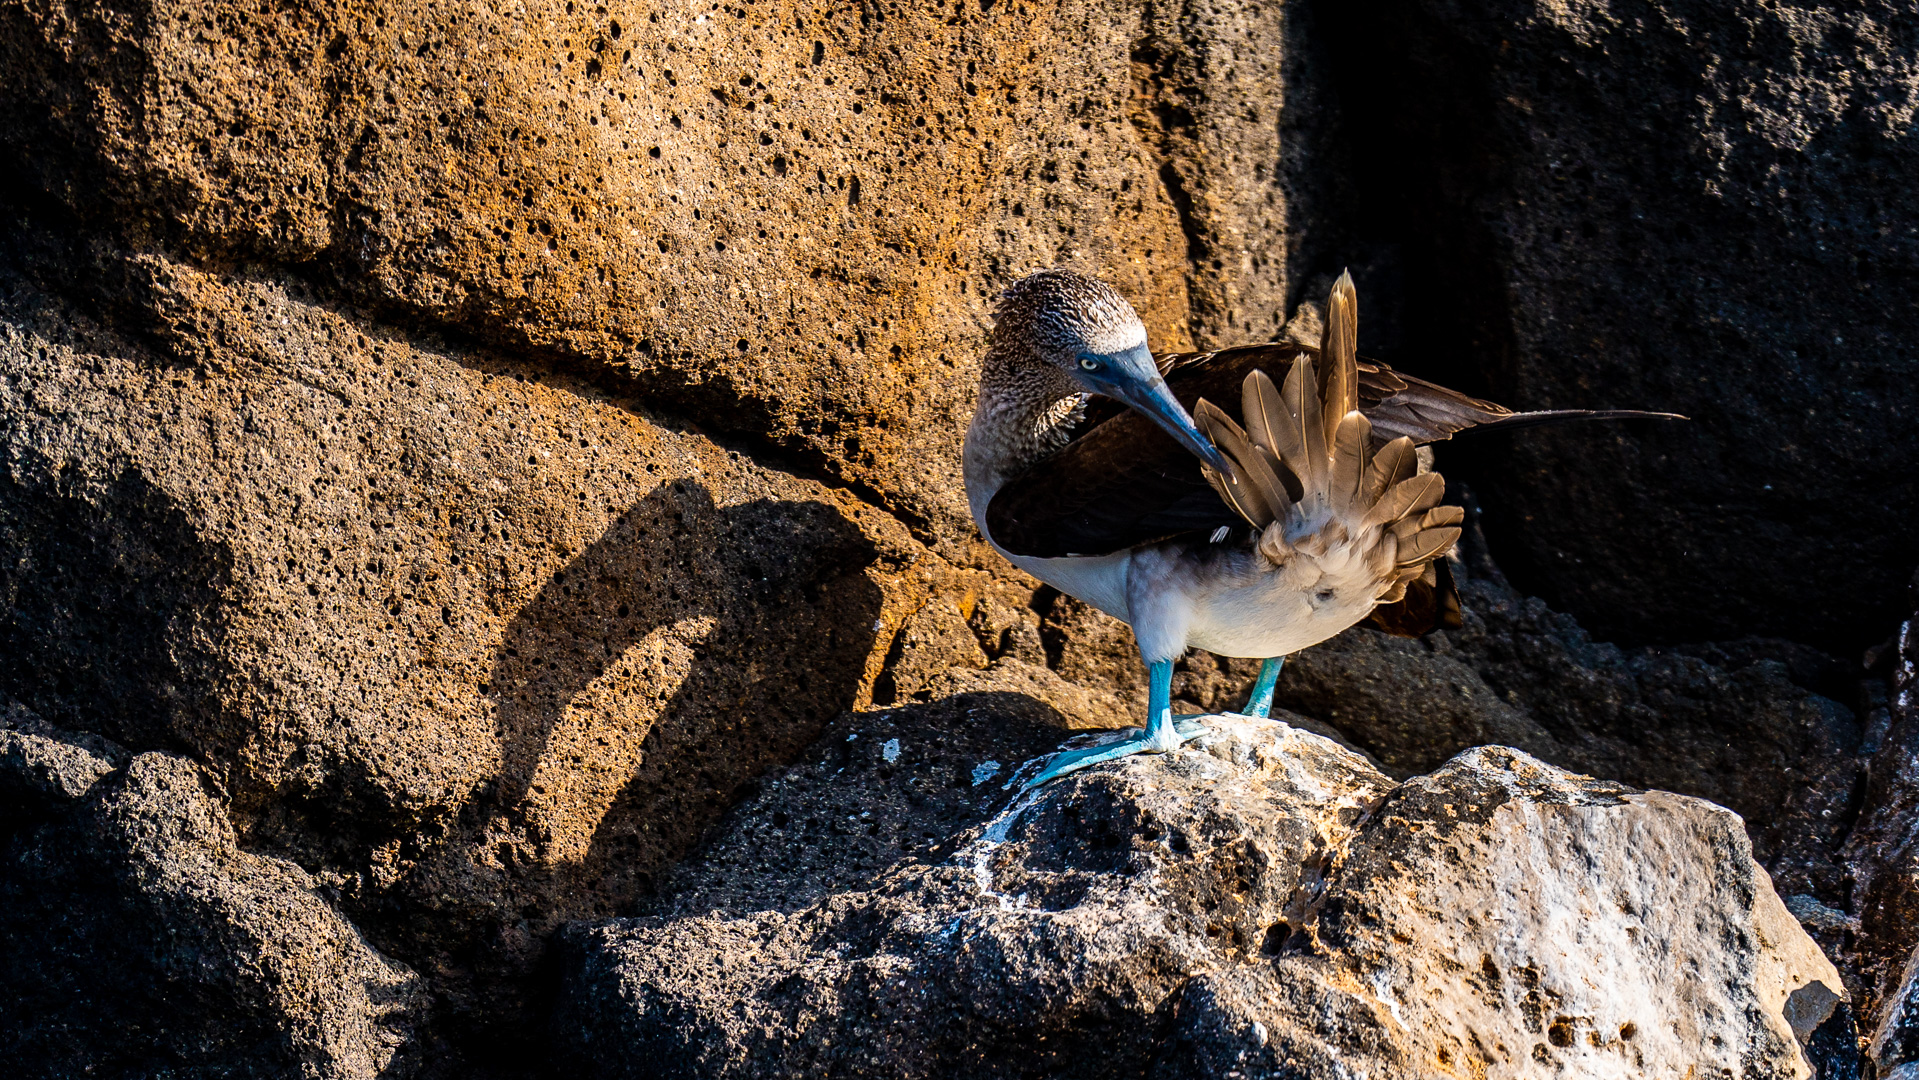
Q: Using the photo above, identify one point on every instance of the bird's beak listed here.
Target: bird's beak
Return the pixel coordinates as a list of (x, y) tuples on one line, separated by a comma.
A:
[(1134, 378)]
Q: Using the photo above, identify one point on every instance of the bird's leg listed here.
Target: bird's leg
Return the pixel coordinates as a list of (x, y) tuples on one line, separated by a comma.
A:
[(1260, 702), (1162, 732)]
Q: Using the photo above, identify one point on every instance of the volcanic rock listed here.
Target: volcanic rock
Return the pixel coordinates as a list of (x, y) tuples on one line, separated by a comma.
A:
[(476, 644), (785, 220), (1266, 903), (136, 938), (1691, 206)]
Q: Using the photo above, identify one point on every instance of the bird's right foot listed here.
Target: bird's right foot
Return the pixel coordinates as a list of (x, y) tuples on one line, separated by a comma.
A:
[(1171, 736)]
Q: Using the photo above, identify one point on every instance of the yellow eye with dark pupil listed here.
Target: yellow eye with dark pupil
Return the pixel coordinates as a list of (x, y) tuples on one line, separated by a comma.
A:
[(1089, 363)]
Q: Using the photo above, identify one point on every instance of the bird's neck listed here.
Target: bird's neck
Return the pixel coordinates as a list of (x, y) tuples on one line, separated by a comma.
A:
[(1026, 412)]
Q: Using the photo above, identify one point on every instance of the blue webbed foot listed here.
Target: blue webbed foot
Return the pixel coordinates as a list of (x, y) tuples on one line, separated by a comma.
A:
[(1163, 732), (1171, 737)]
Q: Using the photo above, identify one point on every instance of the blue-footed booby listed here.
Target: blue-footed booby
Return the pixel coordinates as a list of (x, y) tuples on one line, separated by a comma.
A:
[(1249, 537)]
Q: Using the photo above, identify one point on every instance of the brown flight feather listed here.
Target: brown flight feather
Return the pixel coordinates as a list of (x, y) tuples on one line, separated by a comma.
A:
[(1121, 481)]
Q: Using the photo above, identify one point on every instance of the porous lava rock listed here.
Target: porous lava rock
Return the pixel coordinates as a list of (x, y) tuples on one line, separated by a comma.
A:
[(137, 938), (448, 456), (1671, 204), (479, 646), (1733, 723), (784, 219), (1263, 902)]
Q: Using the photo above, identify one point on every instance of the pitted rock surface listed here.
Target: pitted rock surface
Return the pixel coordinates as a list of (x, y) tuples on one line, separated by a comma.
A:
[(787, 220), (1265, 902), (136, 938), (477, 446), (482, 652)]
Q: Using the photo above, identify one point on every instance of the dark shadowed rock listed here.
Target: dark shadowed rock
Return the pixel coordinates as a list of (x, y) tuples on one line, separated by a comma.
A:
[(136, 938), (1744, 735), (1668, 204), (43, 769), (1882, 854), (482, 652), (1412, 704), (1270, 904)]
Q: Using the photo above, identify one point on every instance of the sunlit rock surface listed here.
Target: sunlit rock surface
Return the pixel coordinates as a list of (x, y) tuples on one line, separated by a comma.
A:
[(479, 445), (1268, 903)]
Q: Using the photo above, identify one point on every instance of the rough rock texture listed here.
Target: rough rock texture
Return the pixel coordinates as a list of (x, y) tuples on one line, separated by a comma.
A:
[(1269, 904), (786, 219), (1703, 207), (136, 938), (486, 440), (449, 455), (477, 645), (1739, 731), (1883, 855)]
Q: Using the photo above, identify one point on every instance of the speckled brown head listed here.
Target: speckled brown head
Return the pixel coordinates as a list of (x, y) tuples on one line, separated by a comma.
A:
[(1057, 315), (1057, 323)]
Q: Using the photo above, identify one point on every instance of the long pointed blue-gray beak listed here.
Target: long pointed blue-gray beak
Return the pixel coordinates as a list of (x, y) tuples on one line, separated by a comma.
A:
[(1133, 378)]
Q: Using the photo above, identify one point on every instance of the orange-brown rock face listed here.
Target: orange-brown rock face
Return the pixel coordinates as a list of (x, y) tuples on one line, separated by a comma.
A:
[(453, 456), (486, 438), (788, 219)]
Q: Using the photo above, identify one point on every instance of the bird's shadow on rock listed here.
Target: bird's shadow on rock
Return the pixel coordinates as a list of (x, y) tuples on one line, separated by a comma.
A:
[(688, 649)]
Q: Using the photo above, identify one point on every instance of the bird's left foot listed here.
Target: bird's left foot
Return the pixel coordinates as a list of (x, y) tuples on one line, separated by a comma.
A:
[(1189, 727), (1182, 730)]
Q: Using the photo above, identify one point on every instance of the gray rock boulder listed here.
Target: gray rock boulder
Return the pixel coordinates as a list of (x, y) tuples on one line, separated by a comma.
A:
[(137, 938), (1266, 903), (1734, 722), (43, 769)]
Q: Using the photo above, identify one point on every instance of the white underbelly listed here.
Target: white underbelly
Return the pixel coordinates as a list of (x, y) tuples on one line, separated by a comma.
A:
[(1098, 580), (1232, 602), (1263, 622)]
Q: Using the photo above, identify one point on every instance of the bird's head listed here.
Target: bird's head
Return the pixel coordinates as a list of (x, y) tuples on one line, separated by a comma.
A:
[(1083, 329)]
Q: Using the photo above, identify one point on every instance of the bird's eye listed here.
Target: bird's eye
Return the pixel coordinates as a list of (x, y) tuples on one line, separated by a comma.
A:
[(1089, 363)]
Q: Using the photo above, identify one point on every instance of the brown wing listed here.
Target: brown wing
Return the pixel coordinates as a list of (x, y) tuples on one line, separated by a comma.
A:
[(1122, 481)]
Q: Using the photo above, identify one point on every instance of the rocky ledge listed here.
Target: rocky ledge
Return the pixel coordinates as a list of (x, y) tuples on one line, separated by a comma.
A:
[(1273, 900), (1263, 903)]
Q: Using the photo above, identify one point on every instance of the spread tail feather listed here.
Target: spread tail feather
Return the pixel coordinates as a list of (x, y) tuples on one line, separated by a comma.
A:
[(1339, 352), (1306, 475)]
